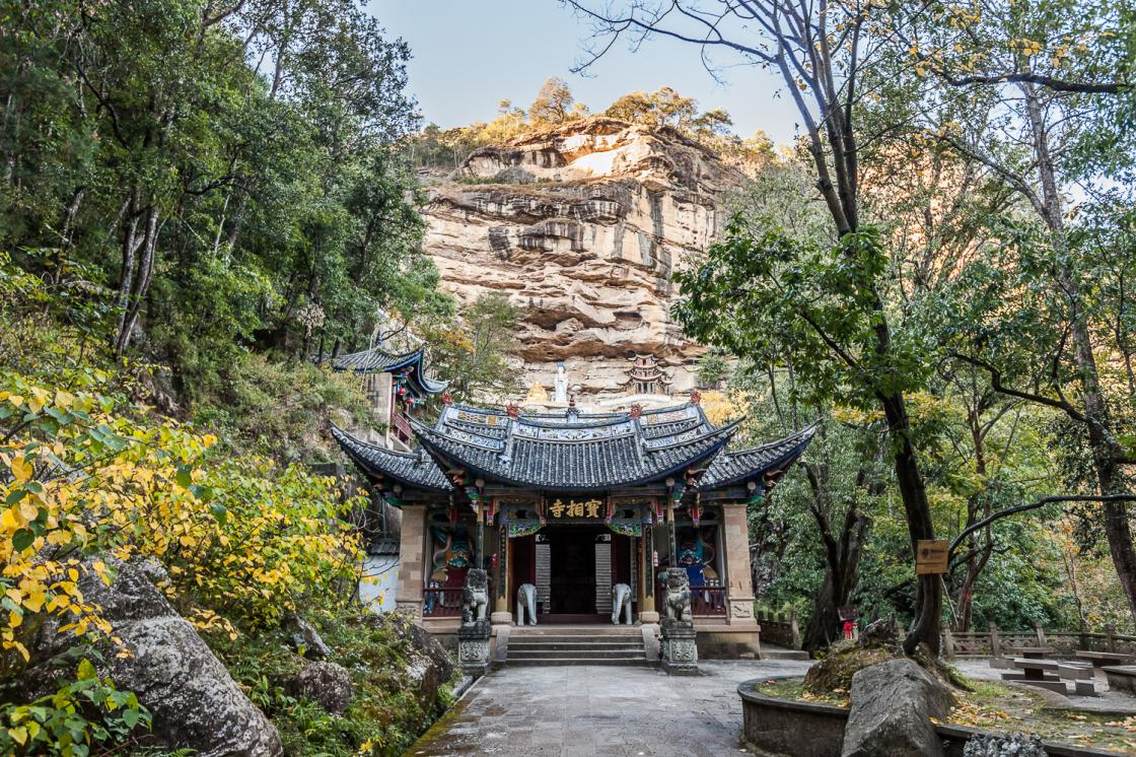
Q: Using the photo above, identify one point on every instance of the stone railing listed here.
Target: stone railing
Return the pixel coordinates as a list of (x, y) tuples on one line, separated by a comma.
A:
[(780, 628), (995, 642)]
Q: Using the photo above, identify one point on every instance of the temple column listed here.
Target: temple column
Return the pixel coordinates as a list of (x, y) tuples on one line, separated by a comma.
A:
[(501, 614), (411, 557), (647, 613), (739, 586)]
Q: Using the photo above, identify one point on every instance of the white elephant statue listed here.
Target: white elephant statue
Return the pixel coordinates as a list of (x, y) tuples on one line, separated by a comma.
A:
[(620, 601), (526, 599)]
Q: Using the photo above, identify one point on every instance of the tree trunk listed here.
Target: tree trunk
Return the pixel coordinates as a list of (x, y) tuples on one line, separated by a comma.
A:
[(136, 284), (929, 593), (1097, 417), (840, 578)]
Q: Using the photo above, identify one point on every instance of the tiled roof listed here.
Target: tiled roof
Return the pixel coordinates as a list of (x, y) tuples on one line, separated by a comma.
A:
[(376, 360), (416, 469), (732, 467), (574, 452)]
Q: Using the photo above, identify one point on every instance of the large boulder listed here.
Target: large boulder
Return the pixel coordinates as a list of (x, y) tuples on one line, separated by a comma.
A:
[(428, 667), (194, 701), (892, 706), (327, 683)]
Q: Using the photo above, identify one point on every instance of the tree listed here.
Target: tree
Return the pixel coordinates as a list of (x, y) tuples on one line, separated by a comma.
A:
[(844, 482), (662, 108), (229, 173), (1036, 76), (822, 305), (477, 348), (554, 103)]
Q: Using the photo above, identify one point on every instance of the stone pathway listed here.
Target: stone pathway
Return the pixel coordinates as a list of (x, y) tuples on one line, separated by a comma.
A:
[(595, 710)]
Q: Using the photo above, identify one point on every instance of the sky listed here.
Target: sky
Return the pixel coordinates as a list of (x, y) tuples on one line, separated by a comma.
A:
[(470, 54)]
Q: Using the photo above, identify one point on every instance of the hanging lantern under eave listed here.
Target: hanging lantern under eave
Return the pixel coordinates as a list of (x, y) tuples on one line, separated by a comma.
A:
[(696, 512)]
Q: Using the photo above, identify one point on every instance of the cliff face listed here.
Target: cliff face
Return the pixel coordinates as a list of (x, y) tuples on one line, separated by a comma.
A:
[(581, 226)]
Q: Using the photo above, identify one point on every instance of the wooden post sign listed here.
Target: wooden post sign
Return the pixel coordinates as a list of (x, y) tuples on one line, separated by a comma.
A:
[(931, 557)]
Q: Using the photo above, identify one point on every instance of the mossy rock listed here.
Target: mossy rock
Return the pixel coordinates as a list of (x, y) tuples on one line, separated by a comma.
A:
[(833, 673)]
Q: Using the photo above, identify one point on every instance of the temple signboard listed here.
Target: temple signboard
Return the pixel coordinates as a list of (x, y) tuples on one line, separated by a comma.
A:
[(575, 510)]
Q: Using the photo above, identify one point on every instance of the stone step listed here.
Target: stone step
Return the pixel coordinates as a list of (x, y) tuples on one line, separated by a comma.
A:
[(590, 632), (638, 660), (582, 646), (784, 654), (591, 654)]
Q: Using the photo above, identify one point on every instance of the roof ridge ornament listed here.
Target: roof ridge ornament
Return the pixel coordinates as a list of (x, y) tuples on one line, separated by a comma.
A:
[(447, 399), (513, 410), (695, 397)]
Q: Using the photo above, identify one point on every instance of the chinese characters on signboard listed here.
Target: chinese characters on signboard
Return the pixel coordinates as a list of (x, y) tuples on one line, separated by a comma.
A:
[(592, 509), (931, 557)]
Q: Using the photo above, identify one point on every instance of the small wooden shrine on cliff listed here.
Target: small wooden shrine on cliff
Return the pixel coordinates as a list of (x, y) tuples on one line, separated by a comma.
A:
[(573, 503)]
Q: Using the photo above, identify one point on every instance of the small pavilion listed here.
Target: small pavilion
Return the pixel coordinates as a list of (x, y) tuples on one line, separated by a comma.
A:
[(574, 502), (396, 385)]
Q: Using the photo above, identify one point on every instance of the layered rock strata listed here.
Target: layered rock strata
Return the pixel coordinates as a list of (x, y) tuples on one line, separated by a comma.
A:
[(582, 226)]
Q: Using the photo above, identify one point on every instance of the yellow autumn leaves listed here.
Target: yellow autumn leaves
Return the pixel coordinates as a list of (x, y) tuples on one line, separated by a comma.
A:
[(242, 539)]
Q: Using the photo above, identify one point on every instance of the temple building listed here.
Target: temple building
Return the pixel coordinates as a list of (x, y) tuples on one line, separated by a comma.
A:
[(573, 503), (396, 386)]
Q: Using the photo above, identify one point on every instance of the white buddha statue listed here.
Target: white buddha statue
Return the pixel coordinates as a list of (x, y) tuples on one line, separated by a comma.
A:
[(560, 386)]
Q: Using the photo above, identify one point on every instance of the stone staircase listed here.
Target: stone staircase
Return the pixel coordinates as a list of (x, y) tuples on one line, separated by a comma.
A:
[(584, 645)]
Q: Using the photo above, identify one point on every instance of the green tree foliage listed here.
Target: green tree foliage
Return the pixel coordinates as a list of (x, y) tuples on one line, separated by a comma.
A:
[(476, 349), (1043, 313), (555, 105), (223, 176)]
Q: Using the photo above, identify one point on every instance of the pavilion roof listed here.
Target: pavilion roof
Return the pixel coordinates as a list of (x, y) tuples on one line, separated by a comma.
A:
[(736, 466), (570, 451), (377, 360), (415, 469)]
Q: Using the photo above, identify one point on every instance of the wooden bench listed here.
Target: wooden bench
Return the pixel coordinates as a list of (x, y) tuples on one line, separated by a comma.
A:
[(1100, 659), (1121, 677)]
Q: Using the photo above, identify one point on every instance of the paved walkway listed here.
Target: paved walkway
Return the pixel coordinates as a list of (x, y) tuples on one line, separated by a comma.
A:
[(595, 710)]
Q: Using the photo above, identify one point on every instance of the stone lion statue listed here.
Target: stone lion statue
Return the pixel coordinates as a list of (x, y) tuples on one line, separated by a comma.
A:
[(475, 597), (526, 599), (677, 602), (620, 602)]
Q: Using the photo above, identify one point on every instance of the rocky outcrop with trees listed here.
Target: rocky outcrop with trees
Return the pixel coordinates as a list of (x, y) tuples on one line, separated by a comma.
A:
[(582, 224)]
